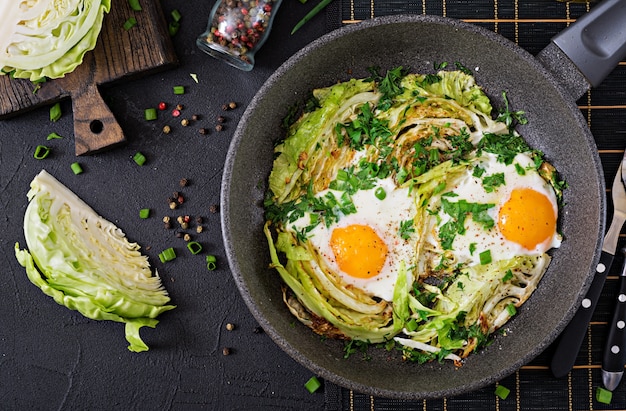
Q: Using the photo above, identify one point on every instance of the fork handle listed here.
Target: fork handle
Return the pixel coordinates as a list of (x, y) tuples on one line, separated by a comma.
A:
[(572, 337)]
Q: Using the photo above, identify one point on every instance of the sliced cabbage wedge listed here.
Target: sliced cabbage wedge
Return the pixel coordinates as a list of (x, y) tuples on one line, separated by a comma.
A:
[(86, 263), (48, 38)]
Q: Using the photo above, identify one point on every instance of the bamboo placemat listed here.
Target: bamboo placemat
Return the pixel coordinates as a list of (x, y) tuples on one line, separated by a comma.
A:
[(531, 24)]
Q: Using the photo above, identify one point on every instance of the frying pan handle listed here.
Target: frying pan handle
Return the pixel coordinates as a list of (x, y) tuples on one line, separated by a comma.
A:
[(596, 43)]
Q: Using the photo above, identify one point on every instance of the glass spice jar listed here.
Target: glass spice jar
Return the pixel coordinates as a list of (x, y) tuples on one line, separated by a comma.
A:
[(237, 29)]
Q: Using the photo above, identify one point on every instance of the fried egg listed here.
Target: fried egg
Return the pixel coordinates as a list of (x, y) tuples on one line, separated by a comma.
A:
[(365, 247), (521, 205)]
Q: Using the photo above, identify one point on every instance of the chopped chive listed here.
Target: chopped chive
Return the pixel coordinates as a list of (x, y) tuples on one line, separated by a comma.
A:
[(139, 158), (41, 152), (194, 246), (173, 27), (55, 112), (76, 168), (150, 114), (320, 6), (134, 4), (179, 89), (511, 309), (502, 392), (52, 136), (313, 384), (167, 255), (176, 15), (603, 395), (144, 213), (130, 23), (211, 262), (507, 276), (485, 257)]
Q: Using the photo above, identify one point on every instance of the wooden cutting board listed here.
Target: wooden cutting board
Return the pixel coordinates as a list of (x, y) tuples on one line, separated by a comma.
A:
[(119, 55)]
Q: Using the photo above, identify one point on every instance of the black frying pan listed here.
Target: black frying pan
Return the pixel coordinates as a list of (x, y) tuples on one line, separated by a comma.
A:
[(546, 88)]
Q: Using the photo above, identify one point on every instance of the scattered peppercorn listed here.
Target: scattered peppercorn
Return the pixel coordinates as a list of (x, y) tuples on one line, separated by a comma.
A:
[(162, 106), (258, 330), (180, 219), (225, 107), (179, 107), (203, 131), (166, 129), (179, 234), (187, 237), (173, 205), (199, 220), (167, 225), (180, 199), (230, 326), (232, 105), (219, 127), (199, 229), (213, 208), (166, 219), (226, 351), (183, 182), (175, 112), (184, 122), (221, 119), (195, 117)]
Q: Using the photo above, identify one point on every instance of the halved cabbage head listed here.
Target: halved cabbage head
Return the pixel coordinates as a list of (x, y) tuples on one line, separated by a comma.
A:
[(86, 263), (48, 38)]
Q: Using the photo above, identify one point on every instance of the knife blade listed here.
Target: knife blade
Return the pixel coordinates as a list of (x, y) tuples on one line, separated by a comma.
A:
[(614, 357), (571, 339)]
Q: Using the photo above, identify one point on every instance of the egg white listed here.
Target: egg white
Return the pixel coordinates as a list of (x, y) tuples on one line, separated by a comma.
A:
[(384, 217), (466, 248)]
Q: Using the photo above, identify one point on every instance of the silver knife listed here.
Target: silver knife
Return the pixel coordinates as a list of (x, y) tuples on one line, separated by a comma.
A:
[(614, 357), (571, 339)]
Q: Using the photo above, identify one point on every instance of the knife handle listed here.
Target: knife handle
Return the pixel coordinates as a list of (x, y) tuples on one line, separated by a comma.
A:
[(615, 350), (572, 337)]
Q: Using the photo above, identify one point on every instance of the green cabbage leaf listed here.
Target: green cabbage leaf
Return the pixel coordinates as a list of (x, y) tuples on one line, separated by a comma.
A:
[(86, 263), (48, 38)]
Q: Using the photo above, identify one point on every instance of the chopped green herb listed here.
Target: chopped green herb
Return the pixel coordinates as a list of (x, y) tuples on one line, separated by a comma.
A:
[(150, 114), (511, 309), (179, 90), (194, 246), (491, 182), (320, 6), (472, 248), (485, 257), (313, 384), (478, 171), (406, 229), (41, 152), (55, 112), (520, 170), (380, 193), (130, 23), (173, 28), (76, 168), (144, 213), (211, 261), (511, 118), (603, 395), (176, 16), (139, 158), (53, 136), (134, 4), (507, 276), (502, 392), (167, 255)]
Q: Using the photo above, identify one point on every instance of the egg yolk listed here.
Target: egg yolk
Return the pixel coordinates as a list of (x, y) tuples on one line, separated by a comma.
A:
[(358, 250), (527, 218)]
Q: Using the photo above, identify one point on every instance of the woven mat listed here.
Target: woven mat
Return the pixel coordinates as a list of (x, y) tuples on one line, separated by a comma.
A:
[(531, 24)]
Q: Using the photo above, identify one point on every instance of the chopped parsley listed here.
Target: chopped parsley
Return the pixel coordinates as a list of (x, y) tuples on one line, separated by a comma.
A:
[(406, 229), (459, 211), (490, 183)]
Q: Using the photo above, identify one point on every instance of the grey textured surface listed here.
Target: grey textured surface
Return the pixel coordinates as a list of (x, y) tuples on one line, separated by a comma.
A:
[(555, 127)]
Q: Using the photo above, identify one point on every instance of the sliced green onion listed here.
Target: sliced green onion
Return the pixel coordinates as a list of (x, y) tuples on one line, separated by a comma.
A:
[(167, 255), (76, 168), (55, 112), (130, 23), (144, 213), (380, 193), (507, 276), (502, 392), (194, 246), (134, 4), (179, 89), (173, 27), (320, 6), (150, 114), (211, 261), (313, 384), (603, 395), (53, 136), (176, 15), (41, 152), (139, 158), (511, 309), (485, 257)]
